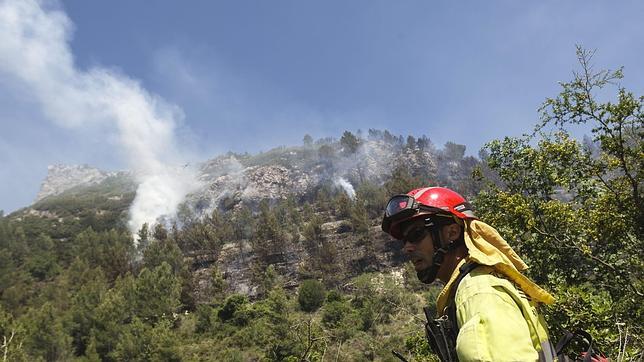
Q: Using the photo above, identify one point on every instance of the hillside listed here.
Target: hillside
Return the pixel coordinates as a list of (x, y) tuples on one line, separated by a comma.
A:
[(280, 256), (73, 198), (264, 221)]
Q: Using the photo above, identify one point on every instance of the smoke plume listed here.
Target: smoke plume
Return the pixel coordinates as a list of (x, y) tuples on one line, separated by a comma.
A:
[(35, 56), (346, 186)]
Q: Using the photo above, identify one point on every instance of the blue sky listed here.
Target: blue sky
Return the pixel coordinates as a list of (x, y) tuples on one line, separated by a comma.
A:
[(252, 75)]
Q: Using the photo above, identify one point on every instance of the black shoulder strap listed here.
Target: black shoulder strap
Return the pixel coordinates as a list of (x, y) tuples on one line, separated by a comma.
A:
[(451, 305), (568, 337)]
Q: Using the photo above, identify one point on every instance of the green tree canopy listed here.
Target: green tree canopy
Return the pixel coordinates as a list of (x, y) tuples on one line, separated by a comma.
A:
[(575, 213)]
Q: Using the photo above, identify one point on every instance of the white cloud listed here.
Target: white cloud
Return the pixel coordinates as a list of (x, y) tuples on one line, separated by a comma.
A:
[(35, 54)]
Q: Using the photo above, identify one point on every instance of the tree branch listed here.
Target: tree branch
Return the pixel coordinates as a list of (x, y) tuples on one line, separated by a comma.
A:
[(588, 254), (578, 248), (5, 344)]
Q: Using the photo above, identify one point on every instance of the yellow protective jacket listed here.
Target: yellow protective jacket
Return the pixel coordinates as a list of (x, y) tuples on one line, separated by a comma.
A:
[(498, 322), (496, 305)]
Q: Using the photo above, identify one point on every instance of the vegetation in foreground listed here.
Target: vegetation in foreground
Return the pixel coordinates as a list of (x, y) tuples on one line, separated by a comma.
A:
[(80, 290)]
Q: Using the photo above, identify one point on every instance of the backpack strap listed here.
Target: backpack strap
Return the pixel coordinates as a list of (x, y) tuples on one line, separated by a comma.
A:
[(451, 304), (581, 335), (441, 332)]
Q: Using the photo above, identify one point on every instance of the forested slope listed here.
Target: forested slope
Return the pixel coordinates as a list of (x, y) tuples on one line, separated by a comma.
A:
[(309, 275)]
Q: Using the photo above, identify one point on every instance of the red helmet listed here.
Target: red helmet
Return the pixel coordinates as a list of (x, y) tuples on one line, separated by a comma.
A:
[(421, 202)]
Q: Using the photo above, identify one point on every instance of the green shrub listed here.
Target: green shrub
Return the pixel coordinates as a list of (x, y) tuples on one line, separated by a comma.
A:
[(311, 295), (334, 296), (233, 308), (204, 320), (333, 313), (417, 345)]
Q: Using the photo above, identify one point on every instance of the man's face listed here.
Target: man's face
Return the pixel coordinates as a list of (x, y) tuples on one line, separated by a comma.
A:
[(418, 244)]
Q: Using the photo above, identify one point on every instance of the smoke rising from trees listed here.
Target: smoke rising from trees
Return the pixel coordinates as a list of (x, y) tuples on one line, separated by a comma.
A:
[(346, 186), (35, 56)]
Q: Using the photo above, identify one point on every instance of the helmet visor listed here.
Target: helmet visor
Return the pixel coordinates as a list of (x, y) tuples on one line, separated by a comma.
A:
[(403, 207), (399, 207), (400, 203)]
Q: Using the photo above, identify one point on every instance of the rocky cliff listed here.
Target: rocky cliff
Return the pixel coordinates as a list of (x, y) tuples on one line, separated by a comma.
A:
[(61, 178), (275, 174)]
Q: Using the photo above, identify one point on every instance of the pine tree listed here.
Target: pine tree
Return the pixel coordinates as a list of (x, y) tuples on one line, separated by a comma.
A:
[(360, 221), (307, 140), (144, 235), (157, 293), (269, 238), (45, 336), (349, 143)]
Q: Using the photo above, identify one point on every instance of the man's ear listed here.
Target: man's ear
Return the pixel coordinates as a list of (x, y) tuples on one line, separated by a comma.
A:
[(452, 231)]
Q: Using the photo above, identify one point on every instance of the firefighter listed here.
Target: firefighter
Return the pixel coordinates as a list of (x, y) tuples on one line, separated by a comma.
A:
[(487, 310)]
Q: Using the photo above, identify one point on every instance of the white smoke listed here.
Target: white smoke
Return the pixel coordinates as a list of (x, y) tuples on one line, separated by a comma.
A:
[(35, 52), (346, 186), (159, 193)]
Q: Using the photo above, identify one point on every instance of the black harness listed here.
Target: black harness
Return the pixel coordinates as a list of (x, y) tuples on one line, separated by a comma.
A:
[(442, 332)]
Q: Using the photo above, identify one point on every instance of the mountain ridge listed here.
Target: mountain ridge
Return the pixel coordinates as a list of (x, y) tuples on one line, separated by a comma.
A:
[(287, 171)]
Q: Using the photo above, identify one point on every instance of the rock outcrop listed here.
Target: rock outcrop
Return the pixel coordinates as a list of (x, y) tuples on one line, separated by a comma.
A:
[(61, 178)]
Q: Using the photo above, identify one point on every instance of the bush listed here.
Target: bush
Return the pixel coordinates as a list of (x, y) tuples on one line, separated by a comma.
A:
[(233, 309), (204, 320), (333, 313), (311, 295), (417, 345), (334, 296)]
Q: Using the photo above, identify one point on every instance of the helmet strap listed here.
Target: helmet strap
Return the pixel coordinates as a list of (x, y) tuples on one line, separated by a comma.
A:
[(428, 275)]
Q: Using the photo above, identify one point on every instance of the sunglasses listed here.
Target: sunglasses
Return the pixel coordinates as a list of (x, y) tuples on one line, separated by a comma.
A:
[(416, 235)]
